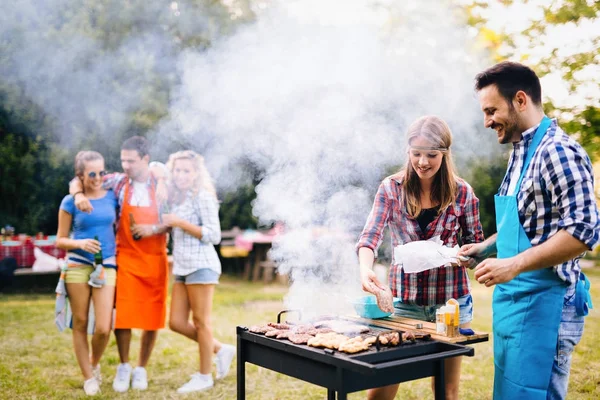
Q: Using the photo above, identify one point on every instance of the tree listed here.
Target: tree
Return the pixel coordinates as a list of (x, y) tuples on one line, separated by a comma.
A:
[(578, 68), (86, 75)]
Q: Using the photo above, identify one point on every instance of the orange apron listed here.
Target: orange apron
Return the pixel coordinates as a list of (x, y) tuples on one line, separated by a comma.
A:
[(142, 274)]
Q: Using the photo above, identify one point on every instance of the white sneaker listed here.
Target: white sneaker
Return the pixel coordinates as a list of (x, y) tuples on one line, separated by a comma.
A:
[(97, 374), (197, 383), (223, 360), (91, 387), (121, 382), (140, 379)]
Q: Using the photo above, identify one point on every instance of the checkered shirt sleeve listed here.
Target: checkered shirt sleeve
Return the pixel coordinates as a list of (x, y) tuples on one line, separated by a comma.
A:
[(190, 253), (557, 193)]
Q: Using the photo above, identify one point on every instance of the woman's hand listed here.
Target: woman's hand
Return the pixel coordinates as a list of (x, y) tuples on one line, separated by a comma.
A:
[(370, 282), (145, 230), (89, 245), (171, 220)]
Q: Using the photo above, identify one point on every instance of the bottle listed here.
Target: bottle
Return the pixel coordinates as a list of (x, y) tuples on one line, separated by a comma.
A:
[(131, 225), (440, 324), (449, 320), (97, 276), (454, 308)]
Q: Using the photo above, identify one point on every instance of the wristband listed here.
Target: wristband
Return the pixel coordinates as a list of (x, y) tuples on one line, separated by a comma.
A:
[(154, 229), (80, 192)]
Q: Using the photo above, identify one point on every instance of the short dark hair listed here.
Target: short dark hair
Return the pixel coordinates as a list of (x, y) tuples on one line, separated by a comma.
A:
[(510, 77), (137, 143)]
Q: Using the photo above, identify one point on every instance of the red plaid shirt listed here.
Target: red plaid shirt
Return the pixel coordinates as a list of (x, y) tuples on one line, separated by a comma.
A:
[(461, 218)]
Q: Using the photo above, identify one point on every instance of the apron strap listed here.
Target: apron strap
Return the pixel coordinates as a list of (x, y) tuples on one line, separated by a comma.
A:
[(537, 139)]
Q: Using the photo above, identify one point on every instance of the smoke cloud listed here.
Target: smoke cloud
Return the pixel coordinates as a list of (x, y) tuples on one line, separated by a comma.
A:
[(315, 95)]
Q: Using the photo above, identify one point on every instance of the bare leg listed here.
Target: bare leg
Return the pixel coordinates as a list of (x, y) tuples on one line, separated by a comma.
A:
[(123, 341), (201, 298), (383, 393), (103, 308), (79, 298), (179, 317), (452, 374), (146, 347)]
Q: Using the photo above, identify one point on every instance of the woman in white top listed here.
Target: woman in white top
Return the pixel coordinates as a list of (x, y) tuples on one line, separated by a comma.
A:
[(194, 219)]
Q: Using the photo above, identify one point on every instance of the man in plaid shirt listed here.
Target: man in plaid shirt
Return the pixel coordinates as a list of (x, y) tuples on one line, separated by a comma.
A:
[(546, 217)]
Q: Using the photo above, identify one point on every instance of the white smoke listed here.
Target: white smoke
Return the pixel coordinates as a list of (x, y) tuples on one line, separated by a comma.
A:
[(317, 95)]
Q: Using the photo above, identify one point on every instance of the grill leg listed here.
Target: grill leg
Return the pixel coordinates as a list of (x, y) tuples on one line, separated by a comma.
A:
[(241, 371), (330, 394), (440, 383)]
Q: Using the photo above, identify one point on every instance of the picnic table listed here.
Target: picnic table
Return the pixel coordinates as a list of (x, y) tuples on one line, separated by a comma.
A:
[(253, 246), (21, 248)]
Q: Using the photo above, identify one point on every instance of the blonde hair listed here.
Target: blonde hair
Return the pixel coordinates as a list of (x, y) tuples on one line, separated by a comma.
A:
[(444, 188), (203, 179), (84, 157)]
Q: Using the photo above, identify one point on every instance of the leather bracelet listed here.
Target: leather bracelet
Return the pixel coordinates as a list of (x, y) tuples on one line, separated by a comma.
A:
[(80, 192)]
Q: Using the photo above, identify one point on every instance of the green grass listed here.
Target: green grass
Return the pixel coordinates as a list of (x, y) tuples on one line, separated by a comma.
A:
[(37, 362)]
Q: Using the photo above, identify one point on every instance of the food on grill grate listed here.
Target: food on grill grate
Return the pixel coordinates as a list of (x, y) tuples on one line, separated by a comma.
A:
[(316, 331), (299, 338), (302, 329), (284, 334), (273, 332), (343, 327), (330, 340), (390, 339), (408, 335), (279, 326), (354, 345), (261, 329)]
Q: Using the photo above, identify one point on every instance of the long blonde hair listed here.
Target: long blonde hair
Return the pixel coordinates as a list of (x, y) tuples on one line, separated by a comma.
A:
[(444, 188), (203, 179)]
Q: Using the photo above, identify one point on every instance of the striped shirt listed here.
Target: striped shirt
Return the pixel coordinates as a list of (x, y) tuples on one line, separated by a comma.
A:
[(460, 220), (557, 192), (190, 253)]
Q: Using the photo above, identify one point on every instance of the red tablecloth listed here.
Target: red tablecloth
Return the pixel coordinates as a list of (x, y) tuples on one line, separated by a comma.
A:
[(24, 255)]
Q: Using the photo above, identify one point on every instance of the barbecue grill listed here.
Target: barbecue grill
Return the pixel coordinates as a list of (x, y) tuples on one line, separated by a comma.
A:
[(344, 373)]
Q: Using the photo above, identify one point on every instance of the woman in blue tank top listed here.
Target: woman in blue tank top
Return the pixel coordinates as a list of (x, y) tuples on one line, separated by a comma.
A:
[(77, 233)]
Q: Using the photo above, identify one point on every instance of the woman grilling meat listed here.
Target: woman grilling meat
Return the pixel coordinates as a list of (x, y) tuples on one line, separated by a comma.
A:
[(423, 200), (196, 229), (81, 246)]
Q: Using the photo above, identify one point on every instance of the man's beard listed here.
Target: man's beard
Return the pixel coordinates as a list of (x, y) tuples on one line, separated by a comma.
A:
[(512, 130)]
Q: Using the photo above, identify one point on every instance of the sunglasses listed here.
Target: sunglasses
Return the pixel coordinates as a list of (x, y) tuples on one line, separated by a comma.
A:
[(93, 174)]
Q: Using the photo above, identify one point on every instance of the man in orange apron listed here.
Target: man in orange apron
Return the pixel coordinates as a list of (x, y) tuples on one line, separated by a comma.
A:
[(142, 274), (546, 217)]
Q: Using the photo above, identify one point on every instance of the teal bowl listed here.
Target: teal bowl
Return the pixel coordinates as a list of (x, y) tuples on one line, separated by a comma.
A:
[(366, 307)]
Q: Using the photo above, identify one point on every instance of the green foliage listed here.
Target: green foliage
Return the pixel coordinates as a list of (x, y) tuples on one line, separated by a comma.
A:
[(107, 76), (236, 209), (581, 120)]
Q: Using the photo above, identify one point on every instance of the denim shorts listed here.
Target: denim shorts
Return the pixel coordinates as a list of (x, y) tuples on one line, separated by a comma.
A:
[(569, 335), (201, 276), (427, 313)]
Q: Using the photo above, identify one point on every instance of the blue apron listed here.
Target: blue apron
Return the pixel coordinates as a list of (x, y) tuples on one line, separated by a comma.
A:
[(527, 310)]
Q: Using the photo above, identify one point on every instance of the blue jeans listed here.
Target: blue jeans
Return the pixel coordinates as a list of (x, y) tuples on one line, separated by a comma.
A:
[(569, 334), (427, 313)]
